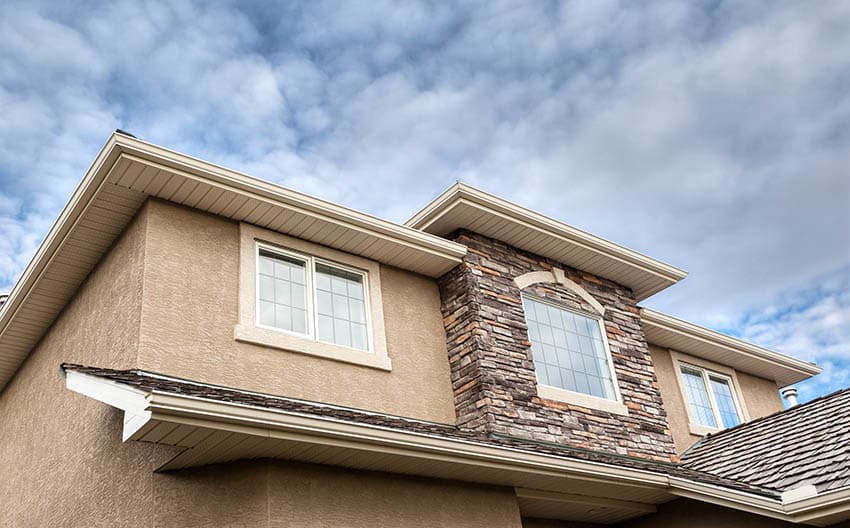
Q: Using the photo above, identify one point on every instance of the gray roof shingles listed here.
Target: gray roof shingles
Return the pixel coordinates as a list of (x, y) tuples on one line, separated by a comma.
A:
[(807, 444), (147, 381)]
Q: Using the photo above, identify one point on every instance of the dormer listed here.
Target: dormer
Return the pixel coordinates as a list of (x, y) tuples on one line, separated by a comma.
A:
[(543, 329)]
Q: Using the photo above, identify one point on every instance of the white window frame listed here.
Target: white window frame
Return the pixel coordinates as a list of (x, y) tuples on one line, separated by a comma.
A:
[(252, 240), (312, 298), (708, 369), (308, 285), (549, 392)]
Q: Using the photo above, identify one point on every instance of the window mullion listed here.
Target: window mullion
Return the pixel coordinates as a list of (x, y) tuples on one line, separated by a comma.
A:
[(313, 308), (714, 407)]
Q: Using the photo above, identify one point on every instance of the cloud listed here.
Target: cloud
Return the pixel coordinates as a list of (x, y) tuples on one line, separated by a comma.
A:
[(714, 135), (812, 324)]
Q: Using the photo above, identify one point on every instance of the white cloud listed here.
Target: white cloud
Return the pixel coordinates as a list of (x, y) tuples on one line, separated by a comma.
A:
[(715, 136)]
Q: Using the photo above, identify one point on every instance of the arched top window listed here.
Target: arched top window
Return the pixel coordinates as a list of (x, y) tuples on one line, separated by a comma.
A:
[(570, 350)]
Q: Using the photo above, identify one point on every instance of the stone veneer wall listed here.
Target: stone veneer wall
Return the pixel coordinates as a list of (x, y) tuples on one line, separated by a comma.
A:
[(493, 375)]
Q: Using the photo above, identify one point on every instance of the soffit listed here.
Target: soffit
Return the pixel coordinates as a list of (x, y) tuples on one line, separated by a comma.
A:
[(464, 207), (669, 332), (127, 171)]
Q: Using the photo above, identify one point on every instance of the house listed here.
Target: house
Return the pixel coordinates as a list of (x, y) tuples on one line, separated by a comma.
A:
[(193, 347)]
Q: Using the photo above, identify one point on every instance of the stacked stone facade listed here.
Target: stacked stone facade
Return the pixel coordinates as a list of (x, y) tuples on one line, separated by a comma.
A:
[(493, 376)]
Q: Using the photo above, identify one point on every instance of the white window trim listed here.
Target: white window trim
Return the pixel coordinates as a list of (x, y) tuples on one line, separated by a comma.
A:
[(706, 369), (580, 399), (248, 330)]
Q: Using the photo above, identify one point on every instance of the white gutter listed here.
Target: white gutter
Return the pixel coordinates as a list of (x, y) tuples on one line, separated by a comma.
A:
[(459, 192), (38, 281), (705, 337), (144, 410)]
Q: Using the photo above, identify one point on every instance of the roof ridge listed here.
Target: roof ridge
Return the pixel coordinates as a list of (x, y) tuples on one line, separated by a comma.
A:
[(759, 421)]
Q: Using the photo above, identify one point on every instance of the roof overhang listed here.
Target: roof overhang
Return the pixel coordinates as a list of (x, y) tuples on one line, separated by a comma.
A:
[(669, 332), (214, 431), (464, 207), (127, 171)]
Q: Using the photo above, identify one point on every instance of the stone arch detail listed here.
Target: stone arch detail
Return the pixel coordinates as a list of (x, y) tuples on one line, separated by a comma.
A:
[(557, 276)]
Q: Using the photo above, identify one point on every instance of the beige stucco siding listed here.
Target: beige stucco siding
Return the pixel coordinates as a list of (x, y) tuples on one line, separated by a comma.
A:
[(761, 397), (190, 310), (278, 494), (62, 462), (320, 496)]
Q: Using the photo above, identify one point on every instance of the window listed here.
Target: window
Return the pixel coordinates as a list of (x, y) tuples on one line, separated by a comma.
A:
[(341, 307), (311, 297), (301, 297), (569, 350), (710, 397)]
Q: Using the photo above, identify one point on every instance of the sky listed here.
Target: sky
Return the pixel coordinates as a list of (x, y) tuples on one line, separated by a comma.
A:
[(712, 135)]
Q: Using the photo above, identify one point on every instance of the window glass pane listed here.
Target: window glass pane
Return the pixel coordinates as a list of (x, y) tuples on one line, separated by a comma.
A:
[(567, 349), (341, 307), (725, 402), (697, 396), (326, 328), (358, 336), (282, 292)]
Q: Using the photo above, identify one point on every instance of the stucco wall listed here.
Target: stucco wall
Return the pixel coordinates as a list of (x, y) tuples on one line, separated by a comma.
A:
[(190, 311), (278, 494), (761, 397), (62, 462)]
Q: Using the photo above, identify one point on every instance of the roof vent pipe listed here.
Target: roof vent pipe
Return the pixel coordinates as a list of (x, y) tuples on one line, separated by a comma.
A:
[(790, 394)]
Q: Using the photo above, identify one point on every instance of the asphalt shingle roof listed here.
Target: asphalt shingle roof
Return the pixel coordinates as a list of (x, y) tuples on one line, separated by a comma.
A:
[(807, 444), (148, 381)]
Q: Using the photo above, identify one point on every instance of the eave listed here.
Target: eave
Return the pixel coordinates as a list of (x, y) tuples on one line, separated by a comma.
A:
[(128, 171), (215, 431), (672, 333), (464, 207)]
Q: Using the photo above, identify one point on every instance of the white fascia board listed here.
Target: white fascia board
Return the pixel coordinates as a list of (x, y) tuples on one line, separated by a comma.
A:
[(459, 192), (132, 401), (702, 336), (812, 508), (729, 498), (194, 167), (99, 174), (81, 198), (238, 417)]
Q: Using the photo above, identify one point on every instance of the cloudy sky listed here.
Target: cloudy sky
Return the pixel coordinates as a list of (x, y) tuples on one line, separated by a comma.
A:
[(712, 135)]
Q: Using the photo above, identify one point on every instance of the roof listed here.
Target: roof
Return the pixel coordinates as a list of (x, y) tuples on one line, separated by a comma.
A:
[(464, 207), (128, 171), (152, 382), (215, 424), (805, 445), (669, 332)]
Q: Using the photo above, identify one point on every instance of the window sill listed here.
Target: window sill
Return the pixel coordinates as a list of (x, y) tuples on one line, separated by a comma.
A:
[(582, 400), (300, 345), (702, 430)]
